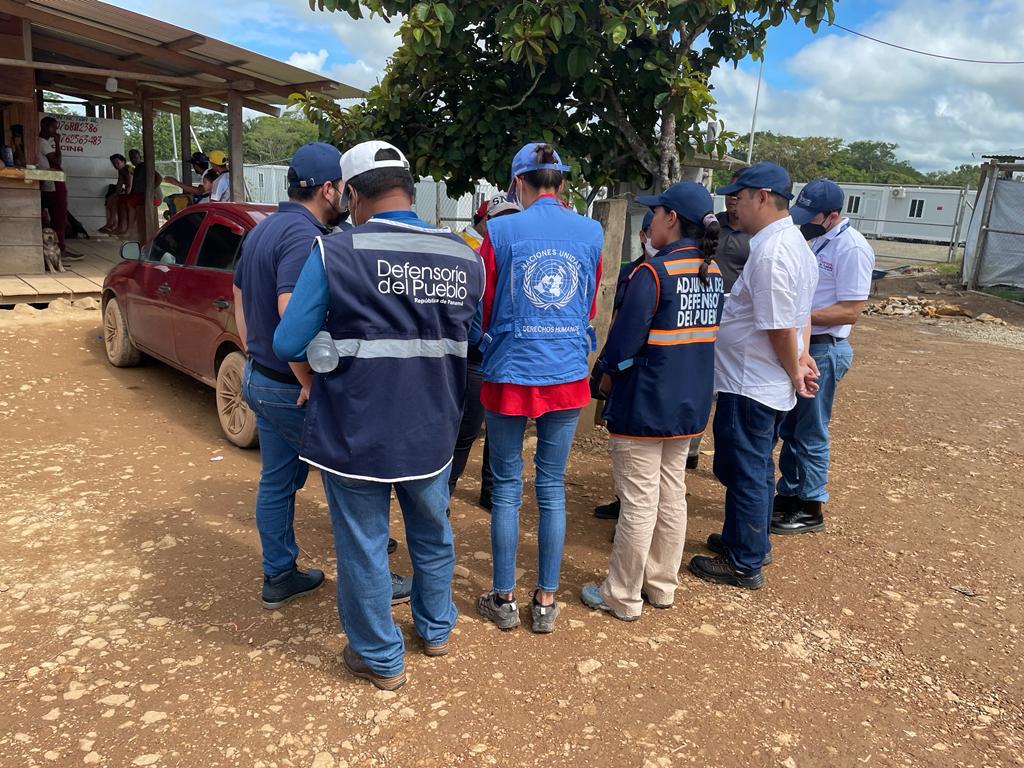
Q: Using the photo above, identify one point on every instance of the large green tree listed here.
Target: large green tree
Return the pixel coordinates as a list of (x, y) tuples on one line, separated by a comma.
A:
[(620, 86)]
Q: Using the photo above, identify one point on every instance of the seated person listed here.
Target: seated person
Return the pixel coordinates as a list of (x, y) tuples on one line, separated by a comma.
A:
[(117, 197)]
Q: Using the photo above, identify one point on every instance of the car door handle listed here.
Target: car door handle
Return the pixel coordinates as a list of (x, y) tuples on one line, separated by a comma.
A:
[(164, 288), (221, 303)]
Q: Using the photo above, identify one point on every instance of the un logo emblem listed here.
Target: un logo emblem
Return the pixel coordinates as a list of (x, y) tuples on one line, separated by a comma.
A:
[(551, 279)]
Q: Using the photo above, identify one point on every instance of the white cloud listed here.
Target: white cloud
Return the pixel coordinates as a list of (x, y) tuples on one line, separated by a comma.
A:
[(939, 112), (312, 62)]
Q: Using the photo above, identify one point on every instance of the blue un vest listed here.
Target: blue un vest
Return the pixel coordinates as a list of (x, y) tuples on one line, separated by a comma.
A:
[(401, 301), (539, 332), (666, 389)]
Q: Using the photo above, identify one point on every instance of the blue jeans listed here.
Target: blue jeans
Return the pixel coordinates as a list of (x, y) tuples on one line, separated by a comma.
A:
[(803, 462), (279, 421), (555, 432), (359, 516), (745, 435)]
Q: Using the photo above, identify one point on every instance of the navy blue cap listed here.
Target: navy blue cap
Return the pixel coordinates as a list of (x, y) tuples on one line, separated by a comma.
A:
[(819, 196), (648, 218), (687, 198), (768, 176), (526, 161), (314, 164)]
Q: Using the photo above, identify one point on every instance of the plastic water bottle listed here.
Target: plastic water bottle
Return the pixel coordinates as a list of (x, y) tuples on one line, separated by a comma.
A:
[(321, 354)]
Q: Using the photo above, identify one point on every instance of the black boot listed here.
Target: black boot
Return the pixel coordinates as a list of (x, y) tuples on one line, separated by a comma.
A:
[(692, 462), (609, 511), (783, 506), (806, 518), (716, 545)]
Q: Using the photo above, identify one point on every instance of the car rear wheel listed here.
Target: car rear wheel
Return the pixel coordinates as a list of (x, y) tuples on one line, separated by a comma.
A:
[(116, 341), (236, 418)]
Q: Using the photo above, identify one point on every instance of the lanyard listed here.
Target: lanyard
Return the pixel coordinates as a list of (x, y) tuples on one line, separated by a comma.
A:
[(825, 245)]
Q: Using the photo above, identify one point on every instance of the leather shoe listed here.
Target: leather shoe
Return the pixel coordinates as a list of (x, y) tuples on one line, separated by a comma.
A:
[(692, 462), (290, 585), (354, 663), (716, 545), (609, 511), (783, 505), (806, 518), (721, 571)]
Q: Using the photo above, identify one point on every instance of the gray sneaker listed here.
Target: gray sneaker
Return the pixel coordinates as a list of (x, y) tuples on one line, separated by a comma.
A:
[(544, 616), (504, 615)]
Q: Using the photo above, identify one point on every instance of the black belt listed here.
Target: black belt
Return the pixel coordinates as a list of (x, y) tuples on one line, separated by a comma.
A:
[(270, 373), (824, 338)]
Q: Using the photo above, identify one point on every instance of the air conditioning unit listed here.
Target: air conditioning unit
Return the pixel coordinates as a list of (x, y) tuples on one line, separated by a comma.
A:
[(899, 193)]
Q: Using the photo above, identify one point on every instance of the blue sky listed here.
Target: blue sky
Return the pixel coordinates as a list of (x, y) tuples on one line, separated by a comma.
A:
[(940, 113)]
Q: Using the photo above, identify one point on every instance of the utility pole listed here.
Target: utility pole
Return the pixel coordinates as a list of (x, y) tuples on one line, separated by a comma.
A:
[(753, 120)]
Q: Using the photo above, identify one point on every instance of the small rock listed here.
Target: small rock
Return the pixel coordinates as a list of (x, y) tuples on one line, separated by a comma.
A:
[(149, 759), (54, 713), (588, 666), (158, 621), (462, 571), (481, 555), (114, 700), (789, 762), (708, 629), (323, 760), (87, 303), (92, 758), (152, 716)]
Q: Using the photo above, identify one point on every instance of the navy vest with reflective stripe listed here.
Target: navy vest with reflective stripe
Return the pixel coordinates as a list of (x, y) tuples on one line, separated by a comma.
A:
[(667, 391), (401, 302), (546, 259)]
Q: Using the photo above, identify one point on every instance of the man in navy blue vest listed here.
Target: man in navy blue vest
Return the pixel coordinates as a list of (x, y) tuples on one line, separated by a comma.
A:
[(396, 297), (272, 257)]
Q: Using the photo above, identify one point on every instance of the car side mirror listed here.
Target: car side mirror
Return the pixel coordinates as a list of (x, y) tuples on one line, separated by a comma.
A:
[(131, 251)]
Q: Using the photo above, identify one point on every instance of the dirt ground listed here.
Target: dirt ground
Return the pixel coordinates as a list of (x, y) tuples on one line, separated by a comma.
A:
[(131, 633)]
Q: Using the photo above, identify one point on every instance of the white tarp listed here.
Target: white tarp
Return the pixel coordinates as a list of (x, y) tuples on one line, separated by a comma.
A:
[(1003, 260)]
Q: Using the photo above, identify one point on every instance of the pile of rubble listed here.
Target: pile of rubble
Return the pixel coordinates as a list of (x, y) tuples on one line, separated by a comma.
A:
[(908, 306)]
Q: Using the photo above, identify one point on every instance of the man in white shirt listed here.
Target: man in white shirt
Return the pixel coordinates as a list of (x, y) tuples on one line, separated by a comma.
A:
[(761, 366), (54, 193), (845, 263), (221, 191)]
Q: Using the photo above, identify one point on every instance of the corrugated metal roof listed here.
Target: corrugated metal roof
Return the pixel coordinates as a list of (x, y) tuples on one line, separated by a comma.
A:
[(274, 78)]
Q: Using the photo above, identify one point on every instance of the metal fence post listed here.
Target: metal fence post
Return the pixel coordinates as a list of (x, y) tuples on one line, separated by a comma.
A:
[(437, 203), (986, 215)]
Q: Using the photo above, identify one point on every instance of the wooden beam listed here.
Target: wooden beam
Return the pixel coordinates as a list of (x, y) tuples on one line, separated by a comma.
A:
[(185, 117), (185, 43), (195, 96), (236, 153), (45, 66), (76, 52), (148, 211), (26, 39), (20, 99)]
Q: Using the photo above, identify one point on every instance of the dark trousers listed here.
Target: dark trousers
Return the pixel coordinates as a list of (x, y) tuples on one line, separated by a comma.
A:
[(56, 204), (469, 430), (745, 435)]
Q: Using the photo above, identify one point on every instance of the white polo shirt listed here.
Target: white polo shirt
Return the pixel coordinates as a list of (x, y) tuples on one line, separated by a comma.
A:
[(773, 292), (845, 263), (221, 190), (45, 147)]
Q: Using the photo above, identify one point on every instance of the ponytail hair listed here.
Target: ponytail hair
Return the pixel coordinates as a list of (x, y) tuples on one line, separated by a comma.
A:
[(544, 178), (709, 244), (707, 232)]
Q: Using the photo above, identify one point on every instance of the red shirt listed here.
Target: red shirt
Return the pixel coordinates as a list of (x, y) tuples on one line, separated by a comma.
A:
[(522, 399)]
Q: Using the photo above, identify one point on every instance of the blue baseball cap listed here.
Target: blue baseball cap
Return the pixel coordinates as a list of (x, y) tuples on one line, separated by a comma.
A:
[(526, 161), (648, 218), (687, 198), (768, 176), (313, 165), (819, 196)]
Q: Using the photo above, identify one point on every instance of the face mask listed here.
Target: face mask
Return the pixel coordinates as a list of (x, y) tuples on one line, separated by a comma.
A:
[(650, 250), (811, 231)]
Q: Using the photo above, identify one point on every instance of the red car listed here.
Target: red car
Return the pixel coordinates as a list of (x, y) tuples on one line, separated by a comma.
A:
[(173, 300)]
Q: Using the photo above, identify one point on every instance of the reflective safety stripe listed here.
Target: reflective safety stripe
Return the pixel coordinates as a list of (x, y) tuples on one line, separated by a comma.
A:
[(689, 267), (682, 336), (413, 242), (400, 348)]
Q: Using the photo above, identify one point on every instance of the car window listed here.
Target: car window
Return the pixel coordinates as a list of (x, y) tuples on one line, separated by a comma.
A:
[(172, 243), (219, 248)]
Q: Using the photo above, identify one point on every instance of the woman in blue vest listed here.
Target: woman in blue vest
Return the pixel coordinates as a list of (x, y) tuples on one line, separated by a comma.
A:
[(659, 363), (543, 266)]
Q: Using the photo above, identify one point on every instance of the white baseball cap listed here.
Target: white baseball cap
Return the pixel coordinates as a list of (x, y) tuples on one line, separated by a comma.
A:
[(362, 158)]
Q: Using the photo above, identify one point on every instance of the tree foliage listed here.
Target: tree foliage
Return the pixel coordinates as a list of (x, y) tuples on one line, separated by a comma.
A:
[(620, 87)]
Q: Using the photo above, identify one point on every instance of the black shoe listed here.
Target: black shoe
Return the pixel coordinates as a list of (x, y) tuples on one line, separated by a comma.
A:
[(392, 546), (721, 571), (289, 585), (716, 545), (485, 500), (692, 462), (806, 518), (784, 505), (609, 511)]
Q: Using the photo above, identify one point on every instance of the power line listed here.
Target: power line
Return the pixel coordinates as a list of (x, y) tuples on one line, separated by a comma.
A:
[(922, 53)]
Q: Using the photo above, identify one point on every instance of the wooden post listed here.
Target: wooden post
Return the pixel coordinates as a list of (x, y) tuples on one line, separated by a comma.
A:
[(236, 154), (185, 113), (26, 39), (986, 215), (612, 216), (148, 224)]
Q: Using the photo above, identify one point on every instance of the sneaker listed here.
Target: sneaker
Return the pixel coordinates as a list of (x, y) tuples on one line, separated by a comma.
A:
[(784, 505), (505, 614), (609, 511), (721, 571), (392, 546), (435, 649), (806, 518), (290, 585), (354, 663), (716, 545), (543, 616), (591, 597), (692, 462), (401, 589)]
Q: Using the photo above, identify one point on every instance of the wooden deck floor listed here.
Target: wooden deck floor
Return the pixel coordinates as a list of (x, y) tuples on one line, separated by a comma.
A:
[(83, 278)]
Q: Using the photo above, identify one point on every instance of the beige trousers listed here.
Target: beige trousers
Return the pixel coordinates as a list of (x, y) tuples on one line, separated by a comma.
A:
[(650, 480)]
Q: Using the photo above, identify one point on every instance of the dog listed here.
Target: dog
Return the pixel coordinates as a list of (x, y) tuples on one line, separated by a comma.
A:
[(51, 251), (75, 228)]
